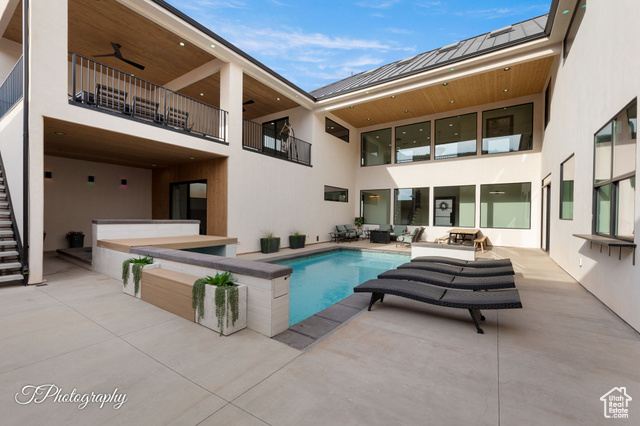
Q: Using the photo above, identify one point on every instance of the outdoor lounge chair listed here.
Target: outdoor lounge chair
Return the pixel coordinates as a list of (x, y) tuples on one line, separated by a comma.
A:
[(409, 238), (385, 227), (450, 281), (488, 263), (398, 230), (344, 234), (458, 270), (350, 228), (473, 301)]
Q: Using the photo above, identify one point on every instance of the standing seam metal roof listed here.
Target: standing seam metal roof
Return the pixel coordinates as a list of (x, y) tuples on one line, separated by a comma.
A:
[(497, 39)]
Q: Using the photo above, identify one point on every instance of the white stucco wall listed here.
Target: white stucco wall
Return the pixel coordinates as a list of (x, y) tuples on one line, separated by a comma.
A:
[(597, 80), (10, 52), (476, 170), (71, 202)]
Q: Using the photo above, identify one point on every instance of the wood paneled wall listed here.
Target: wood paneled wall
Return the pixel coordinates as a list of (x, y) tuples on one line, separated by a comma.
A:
[(214, 171)]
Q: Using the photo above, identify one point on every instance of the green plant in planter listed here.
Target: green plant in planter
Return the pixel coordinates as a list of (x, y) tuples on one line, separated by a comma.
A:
[(136, 270), (75, 238), (297, 240), (225, 306), (269, 244), (358, 222)]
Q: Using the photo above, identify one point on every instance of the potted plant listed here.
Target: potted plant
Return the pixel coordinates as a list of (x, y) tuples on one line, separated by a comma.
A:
[(133, 266), (269, 244), (220, 304), (76, 239), (297, 240), (358, 222)]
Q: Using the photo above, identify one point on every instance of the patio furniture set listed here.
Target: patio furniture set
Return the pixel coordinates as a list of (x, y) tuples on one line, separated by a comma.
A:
[(383, 235), (453, 283)]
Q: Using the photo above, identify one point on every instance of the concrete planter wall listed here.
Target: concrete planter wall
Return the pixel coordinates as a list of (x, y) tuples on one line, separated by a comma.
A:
[(131, 286), (210, 320)]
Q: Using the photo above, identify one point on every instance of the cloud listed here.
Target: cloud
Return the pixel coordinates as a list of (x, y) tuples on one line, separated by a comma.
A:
[(501, 12), (429, 4), (379, 4), (402, 31)]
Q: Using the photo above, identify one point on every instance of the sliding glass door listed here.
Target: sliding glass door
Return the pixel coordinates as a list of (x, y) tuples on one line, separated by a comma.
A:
[(189, 201)]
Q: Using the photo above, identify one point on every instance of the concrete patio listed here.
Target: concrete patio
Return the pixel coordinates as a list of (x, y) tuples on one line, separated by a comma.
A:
[(403, 363)]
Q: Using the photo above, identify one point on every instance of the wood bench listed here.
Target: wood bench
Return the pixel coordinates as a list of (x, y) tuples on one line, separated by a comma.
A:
[(145, 108), (480, 242), (169, 290), (177, 118)]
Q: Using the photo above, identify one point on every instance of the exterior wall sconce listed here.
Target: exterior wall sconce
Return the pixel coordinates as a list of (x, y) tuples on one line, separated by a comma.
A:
[(123, 182), (91, 179), (48, 175)]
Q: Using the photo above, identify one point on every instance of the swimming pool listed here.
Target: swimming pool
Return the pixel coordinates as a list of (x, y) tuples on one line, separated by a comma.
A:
[(320, 280)]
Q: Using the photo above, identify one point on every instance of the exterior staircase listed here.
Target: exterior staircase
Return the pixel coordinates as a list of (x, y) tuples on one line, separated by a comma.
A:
[(10, 247)]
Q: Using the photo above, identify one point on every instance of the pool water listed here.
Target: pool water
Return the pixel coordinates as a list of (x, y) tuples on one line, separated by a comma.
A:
[(318, 281)]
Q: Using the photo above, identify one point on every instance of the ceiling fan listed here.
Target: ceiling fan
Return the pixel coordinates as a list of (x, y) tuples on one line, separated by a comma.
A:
[(116, 53), (249, 102)]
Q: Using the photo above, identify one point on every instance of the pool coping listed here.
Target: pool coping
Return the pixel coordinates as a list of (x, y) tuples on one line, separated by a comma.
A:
[(306, 333)]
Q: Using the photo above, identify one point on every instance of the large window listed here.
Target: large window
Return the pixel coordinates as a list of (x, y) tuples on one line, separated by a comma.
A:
[(273, 132), (567, 172), (507, 129), (413, 142), (505, 205), (332, 193), (375, 205), (335, 129), (456, 136), (614, 175), (578, 15), (376, 147), (454, 206), (411, 207)]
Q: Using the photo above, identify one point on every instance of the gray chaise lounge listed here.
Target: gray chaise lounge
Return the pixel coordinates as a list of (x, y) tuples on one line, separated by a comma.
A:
[(473, 301), (458, 270), (450, 281), (489, 263)]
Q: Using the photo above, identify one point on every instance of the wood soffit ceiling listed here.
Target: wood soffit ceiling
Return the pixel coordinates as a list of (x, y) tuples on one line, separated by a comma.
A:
[(92, 144), (520, 80)]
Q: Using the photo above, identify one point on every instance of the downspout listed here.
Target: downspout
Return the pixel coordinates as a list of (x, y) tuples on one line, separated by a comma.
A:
[(25, 141)]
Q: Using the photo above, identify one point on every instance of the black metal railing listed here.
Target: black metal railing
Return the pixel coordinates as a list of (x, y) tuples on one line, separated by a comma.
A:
[(101, 86), (11, 90), (256, 137)]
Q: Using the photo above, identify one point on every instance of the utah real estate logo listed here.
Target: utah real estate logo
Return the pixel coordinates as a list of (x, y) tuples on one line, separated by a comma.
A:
[(616, 403)]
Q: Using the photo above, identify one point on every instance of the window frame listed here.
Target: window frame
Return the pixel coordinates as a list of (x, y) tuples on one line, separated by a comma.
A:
[(429, 144), (336, 187), (388, 207), (486, 120), (572, 156), (455, 202), (530, 205), (613, 181), (428, 206), (391, 146), (332, 122)]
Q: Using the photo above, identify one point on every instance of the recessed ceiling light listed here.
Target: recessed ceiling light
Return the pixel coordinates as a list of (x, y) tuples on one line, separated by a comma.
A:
[(507, 68), (565, 11), (352, 107), (452, 102), (213, 46), (277, 99), (181, 44), (393, 96), (368, 119), (201, 94), (505, 90), (60, 133), (191, 158), (445, 84), (451, 125), (452, 69), (132, 75), (406, 111), (153, 165)]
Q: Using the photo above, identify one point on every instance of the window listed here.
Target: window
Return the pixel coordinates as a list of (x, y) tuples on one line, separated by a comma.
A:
[(188, 200), (411, 207), (335, 129), (567, 171), (456, 136), (454, 206), (273, 132), (413, 142), (614, 180), (332, 193), (505, 205), (578, 15), (507, 129), (547, 105), (375, 205), (376, 148)]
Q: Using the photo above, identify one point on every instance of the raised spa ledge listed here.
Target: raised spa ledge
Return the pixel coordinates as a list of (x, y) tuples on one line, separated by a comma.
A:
[(140, 221), (238, 266)]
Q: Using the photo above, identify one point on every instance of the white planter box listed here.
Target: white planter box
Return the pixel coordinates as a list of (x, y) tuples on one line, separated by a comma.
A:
[(210, 320), (131, 286)]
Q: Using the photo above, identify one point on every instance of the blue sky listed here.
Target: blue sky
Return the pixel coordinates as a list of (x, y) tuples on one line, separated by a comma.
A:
[(315, 43)]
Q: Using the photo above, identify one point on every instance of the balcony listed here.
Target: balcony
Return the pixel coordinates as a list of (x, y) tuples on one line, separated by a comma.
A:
[(257, 138), (12, 88), (108, 89)]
